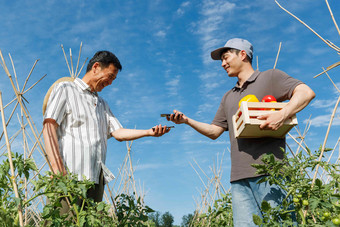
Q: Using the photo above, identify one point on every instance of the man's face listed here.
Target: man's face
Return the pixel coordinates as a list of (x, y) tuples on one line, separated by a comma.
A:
[(104, 77), (231, 62)]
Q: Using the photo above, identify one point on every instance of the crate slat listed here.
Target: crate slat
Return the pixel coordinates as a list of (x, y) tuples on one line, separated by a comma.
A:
[(246, 124)]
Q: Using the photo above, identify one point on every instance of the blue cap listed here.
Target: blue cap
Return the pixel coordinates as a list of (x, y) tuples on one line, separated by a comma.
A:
[(235, 43)]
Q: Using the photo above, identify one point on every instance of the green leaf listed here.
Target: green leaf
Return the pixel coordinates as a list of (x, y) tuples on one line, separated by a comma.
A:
[(318, 182), (265, 206), (257, 220), (100, 206)]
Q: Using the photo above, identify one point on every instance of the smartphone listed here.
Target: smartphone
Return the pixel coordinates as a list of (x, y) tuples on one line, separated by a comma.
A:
[(153, 129), (167, 115)]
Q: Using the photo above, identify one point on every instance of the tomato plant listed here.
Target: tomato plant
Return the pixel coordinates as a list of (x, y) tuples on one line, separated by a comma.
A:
[(313, 204), (219, 215), (129, 210), (336, 221)]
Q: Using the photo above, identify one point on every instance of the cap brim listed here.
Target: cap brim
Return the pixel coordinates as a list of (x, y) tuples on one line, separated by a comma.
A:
[(216, 54)]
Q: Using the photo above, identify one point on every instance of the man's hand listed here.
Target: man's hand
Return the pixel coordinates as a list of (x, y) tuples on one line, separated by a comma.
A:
[(302, 95), (178, 117), (158, 130), (273, 121)]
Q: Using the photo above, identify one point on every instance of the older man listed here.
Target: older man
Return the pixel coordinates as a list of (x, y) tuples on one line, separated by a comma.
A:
[(78, 122)]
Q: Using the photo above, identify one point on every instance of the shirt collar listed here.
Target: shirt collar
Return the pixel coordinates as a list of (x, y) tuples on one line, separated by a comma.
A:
[(251, 79), (83, 86)]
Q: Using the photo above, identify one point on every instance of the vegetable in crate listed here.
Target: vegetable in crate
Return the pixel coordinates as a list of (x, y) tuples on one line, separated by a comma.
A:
[(248, 98)]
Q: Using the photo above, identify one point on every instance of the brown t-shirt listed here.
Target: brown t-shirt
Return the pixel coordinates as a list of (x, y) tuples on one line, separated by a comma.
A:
[(245, 152)]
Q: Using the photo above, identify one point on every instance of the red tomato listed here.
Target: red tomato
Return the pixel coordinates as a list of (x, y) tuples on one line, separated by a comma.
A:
[(268, 98)]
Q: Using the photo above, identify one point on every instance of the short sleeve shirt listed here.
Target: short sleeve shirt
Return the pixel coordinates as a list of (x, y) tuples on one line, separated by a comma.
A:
[(85, 123), (247, 151)]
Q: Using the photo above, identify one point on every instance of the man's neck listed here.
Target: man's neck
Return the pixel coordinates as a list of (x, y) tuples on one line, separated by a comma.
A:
[(244, 75)]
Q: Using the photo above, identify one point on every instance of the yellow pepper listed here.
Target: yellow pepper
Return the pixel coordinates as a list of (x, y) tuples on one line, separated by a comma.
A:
[(248, 98)]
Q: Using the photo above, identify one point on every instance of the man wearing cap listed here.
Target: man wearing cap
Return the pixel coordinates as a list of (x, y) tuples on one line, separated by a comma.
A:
[(78, 122), (247, 195)]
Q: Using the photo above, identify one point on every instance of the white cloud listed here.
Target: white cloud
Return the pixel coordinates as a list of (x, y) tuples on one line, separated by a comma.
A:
[(160, 34), (181, 10), (203, 108), (323, 120), (213, 17), (211, 86), (172, 85), (323, 103), (212, 8)]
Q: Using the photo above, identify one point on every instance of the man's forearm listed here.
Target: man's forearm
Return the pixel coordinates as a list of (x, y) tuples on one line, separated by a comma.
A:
[(52, 147), (124, 134), (211, 131), (301, 98)]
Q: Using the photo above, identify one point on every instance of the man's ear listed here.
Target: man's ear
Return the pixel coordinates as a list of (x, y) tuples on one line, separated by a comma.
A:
[(95, 66), (243, 54)]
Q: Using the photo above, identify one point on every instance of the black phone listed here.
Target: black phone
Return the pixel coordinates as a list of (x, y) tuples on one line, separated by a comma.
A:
[(167, 115), (153, 129)]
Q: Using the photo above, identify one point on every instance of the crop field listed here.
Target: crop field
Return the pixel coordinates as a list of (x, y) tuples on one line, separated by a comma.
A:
[(30, 194)]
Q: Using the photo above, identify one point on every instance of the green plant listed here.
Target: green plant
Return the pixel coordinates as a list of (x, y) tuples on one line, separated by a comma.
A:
[(220, 214), (131, 212), (82, 212), (314, 205), (9, 203), (57, 188)]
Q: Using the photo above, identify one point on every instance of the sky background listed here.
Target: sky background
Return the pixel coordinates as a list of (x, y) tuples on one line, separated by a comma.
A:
[(164, 48)]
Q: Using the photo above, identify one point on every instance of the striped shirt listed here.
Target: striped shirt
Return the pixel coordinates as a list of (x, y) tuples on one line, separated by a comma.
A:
[(85, 123)]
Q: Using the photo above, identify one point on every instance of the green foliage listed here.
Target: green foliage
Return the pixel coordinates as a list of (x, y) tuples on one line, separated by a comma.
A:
[(131, 212), (155, 219), (158, 220), (314, 205), (220, 214), (8, 202), (167, 220), (187, 220), (83, 211)]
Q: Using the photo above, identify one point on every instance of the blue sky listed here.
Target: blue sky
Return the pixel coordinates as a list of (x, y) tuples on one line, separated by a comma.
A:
[(164, 47)]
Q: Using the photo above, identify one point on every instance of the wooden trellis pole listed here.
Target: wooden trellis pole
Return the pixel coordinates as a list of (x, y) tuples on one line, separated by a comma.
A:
[(15, 187)]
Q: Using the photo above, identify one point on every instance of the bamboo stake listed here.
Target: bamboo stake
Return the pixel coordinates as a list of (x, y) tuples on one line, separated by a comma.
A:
[(29, 74), (325, 140), (10, 117), (277, 56), (68, 66), (332, 81), (15, 74), (325, 41), (81, 68), (330, 156), (24, 146), (298, 143), (330, 11), (21, 104), (72, 75), (81, 44), (23, 92), (33, 85), (15, 187), (11, 140)]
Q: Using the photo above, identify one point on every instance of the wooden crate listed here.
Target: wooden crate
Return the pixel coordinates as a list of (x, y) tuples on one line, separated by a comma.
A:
[(246, 124)]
